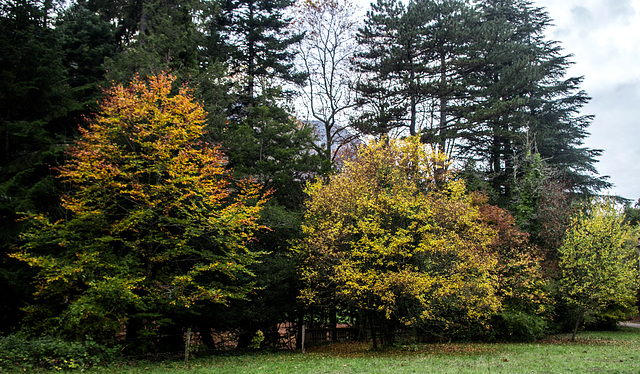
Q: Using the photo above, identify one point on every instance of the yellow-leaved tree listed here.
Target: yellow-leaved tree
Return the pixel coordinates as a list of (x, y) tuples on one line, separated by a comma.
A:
[(155, 224), (598, 262), (397, 240)]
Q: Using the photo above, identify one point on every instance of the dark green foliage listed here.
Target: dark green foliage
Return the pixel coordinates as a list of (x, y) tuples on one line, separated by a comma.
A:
[(158, 36), (525, 97), (47, 352), (256, 43), (86, 41), (34, 102), (382, 109), (518, 326), (274, 148), (632, 214)]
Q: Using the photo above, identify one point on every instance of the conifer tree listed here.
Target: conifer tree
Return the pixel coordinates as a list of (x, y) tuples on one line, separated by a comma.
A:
[(258, 40), (383, 109), (35, 102), (523, 95)]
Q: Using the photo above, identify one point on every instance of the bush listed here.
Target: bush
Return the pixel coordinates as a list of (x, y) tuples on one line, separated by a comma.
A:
[(519, 326), (16, 351)]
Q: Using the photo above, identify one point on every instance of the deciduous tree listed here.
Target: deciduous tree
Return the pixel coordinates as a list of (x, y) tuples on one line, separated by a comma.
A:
[(155, 225), (598, 262), (326, 54), (386, 238)]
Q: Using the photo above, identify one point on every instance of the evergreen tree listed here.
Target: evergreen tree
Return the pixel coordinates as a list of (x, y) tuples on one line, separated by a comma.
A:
[(480, 81), (521, 93), (264, 141), (86, 41), (383, 109), (34, 102), (155, 36), (445, 30), (419, 52), (258, 41)]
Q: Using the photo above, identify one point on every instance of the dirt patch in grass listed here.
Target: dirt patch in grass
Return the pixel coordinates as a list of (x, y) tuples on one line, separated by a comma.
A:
[(358, 349)]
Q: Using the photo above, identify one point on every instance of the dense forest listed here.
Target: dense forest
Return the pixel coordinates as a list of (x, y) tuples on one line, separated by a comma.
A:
[(229, 166)]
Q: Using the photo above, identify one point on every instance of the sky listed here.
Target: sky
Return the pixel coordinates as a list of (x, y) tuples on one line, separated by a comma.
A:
[(604, 38)]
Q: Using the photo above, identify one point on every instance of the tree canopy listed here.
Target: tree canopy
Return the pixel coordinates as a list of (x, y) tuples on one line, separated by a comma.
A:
[(397, 240), (598, 261), (154, 221)]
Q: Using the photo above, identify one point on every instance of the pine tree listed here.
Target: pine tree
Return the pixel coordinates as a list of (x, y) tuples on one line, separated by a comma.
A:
[(34, 102), (86, 41), (258, 41), (419, 53), (155, 36), (383, 108), (522, 94)]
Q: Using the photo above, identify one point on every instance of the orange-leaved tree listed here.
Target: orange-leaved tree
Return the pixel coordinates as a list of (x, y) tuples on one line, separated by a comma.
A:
[(396, 240), (155, 224)]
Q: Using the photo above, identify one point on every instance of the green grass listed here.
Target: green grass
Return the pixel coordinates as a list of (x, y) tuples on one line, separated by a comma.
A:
[(593, 352)]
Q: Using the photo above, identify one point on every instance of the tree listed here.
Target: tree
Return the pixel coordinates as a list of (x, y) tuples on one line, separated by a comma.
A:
[(421, 52), (388, 241), (632, 214), (521, 94), (34, 104), (479, 81), (86, 41), (383, 108), (326, 53), (523, 287), (155, 36), (445, 30), (598, 262), (154, 223), (257, 41)]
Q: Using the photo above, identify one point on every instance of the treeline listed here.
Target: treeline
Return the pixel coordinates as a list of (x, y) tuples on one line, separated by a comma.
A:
[(180, 202)]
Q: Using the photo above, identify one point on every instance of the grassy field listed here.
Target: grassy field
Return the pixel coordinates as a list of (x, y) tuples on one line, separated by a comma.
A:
[(593, 352)]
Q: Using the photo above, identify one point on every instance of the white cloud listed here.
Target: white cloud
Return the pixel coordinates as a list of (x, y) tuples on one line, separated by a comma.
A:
[(604, 37)]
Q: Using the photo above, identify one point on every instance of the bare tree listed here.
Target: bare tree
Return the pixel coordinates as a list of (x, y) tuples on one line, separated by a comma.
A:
[(325, 55)]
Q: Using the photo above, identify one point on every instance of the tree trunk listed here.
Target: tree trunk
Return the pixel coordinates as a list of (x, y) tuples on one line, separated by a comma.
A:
[(251, 59), (299, 328), (372, 328), (206, 337), (575, 329), (443, 104), (333, 322)]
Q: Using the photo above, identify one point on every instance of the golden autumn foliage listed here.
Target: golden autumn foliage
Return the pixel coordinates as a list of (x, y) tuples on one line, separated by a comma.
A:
[(598, 262), (396, 236), (154, 220)]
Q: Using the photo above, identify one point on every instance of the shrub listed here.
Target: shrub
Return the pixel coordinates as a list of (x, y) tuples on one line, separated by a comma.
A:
[(519, 326), (16, 351)]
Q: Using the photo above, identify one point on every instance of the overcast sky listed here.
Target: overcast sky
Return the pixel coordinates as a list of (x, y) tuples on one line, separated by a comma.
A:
[(604, 37)]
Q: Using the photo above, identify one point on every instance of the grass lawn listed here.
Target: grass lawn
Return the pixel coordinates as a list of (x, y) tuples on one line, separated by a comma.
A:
[(593, 352)]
